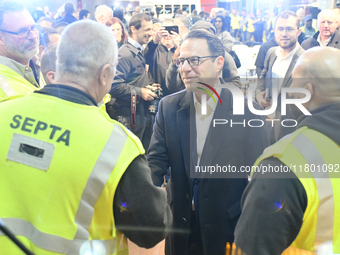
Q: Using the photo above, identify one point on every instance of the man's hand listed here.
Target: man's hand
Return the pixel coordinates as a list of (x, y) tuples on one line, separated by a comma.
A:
[(148, 94), (176, 54), (260, 98), (160, 34), (176, 39), (154, 86)]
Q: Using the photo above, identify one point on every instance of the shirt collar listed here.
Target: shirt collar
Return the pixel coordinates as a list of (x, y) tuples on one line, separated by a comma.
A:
[(325, 43), (23, 70), (135, 44), (279, 50)]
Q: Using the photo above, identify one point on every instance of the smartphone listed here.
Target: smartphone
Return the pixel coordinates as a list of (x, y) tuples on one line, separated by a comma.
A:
[(171, 28)]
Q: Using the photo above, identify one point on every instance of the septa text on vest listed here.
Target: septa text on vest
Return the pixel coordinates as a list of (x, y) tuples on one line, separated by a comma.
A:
[(31, 125)]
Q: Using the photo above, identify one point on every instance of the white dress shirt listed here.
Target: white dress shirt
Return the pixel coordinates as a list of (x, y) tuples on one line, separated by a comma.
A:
[(279, 70), (203, 122), (325, 43), (281, 66)]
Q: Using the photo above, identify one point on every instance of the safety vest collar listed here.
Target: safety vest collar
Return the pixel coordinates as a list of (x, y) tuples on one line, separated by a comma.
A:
[(8, 72)]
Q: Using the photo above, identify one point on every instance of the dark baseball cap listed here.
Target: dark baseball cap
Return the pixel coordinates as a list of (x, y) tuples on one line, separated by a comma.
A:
[(308, 17)]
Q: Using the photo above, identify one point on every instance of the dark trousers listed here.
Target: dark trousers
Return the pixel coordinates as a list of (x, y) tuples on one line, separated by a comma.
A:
[(235, 34), (195, 246), (143, 130)]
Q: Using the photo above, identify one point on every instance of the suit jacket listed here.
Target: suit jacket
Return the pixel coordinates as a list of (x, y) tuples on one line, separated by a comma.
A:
[(313, 41), (173, 144), (265, 82)]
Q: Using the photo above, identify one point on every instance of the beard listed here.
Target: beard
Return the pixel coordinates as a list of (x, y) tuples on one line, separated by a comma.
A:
[(25, 52), (287, 46)]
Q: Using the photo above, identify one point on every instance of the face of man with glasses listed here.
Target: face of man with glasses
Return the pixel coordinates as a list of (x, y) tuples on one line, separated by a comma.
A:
[(19, 36), (196, 63), (286, 32)]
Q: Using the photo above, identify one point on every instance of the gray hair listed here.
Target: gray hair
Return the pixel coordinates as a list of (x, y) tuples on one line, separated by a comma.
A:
[(9, 6), (327, 13), (84, 48), (183, 20), (101, 9), (48, 59)]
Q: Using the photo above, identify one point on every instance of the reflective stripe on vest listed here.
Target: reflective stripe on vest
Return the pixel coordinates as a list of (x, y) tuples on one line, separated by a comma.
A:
[(51, 242), (324, 185), (91, 193), (7, 89), (102, 170), (309, 147)]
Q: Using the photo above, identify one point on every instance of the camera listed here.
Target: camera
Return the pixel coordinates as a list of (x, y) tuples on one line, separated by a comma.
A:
[(153, 107)]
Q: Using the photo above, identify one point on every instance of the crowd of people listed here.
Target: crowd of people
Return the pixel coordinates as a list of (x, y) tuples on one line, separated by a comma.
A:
[(128, 126)]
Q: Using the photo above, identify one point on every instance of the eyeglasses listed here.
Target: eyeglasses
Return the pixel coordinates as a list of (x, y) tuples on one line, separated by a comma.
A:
[(289, 30), (193, 61), (23, 33)]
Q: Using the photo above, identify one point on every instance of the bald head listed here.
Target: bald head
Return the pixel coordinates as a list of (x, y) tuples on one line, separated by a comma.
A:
[(84, 60), (317, 71), (320, 62)]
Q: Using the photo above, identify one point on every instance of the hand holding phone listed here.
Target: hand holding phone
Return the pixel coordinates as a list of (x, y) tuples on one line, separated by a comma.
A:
[(171, 28)]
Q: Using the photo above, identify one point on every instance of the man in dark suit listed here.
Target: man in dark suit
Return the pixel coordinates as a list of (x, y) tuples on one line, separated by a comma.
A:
[(205, 206), (277, 71)]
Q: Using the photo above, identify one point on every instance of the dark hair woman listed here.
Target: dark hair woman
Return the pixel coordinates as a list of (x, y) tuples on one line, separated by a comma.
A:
[(117, 27), (222, 33)]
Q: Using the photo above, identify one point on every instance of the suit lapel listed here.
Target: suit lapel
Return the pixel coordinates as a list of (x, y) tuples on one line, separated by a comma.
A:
[(216, 134), (187, 131), (288, 76)]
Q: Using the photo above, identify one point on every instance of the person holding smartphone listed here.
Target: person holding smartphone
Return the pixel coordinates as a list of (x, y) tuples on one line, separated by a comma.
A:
[(160, 51)]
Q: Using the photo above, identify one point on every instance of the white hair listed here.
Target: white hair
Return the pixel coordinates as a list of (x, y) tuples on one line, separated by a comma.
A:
[(101, 10), (84, 48), (327, 13)]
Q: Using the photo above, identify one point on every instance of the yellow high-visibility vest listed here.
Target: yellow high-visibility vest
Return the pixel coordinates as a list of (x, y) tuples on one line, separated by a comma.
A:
[(303, 29), (61, 163), (314, 158), (12, 83), (234, 21), (249, 27)]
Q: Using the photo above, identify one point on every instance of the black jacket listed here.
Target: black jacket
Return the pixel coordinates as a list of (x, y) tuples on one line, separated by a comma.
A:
[(312, 42), (158, 57), (130, 78)]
